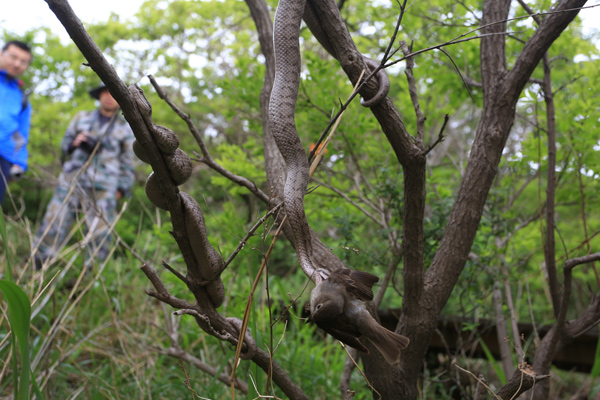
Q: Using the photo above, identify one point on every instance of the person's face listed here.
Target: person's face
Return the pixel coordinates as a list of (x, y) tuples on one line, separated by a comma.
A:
[(14, 60), (107, 102)]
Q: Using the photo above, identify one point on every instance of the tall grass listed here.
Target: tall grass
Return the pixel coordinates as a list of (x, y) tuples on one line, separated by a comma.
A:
[(19, 315), (96, 334)]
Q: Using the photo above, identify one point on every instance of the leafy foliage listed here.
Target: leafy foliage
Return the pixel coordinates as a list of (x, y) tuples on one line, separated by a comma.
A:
[(207, 57)]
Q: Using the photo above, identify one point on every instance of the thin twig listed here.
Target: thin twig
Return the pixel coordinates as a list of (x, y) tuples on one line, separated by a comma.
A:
[(459, 38), (207, 158), (459, 74), (412, 90), (342, 194), (480, 381), (440, 137), (360, 370), (176, 273), (319, 149), (245, 239), (246, 319)]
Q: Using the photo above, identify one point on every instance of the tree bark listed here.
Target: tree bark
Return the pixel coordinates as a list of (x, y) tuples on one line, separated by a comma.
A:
[(501, 92), (522, 380), (426, 294)]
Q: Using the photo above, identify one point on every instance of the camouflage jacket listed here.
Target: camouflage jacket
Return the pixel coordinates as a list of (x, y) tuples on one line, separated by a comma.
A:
[(112, 167)]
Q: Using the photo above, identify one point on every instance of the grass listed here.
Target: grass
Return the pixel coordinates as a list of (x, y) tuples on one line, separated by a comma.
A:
[(97, 335)]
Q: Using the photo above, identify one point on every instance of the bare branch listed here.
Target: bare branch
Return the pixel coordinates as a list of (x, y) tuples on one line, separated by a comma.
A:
[(412, 90), (440, 137), (350, 201), (162, 293), (522, 380), (462, 77), (175, 272), (573, 262), (207, 158), (249, 234)]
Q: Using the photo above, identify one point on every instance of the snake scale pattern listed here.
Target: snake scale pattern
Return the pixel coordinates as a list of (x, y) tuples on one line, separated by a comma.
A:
[(208, 261), (286, 32)]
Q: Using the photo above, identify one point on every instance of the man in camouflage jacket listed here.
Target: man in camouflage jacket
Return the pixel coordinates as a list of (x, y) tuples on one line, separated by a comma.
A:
[(98, 169)]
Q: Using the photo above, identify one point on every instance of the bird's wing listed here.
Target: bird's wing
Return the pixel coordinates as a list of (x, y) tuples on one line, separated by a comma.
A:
[(344, 330), (346, 338), (358, 284), (363, 284)]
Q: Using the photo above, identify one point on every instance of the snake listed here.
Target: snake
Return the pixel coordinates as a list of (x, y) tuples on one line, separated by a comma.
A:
[(166, 140), (177, 161), (286, 33), (382, 80), (282, 105), (154, 192), (316, 27), (209, 263), (179, 165)]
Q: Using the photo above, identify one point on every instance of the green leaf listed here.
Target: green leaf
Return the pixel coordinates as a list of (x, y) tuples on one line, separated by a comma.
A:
[(495, 364), (19, 315)]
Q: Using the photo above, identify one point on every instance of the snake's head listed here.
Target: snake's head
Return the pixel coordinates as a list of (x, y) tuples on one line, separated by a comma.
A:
[(320, 275)]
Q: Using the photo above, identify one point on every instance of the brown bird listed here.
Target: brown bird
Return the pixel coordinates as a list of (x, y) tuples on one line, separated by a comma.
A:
[(337, 306)]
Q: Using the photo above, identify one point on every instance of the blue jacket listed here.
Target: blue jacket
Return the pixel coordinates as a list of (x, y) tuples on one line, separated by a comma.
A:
[(14, 121)]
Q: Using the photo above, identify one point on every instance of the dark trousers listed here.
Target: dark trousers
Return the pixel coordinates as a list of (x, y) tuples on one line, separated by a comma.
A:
[(4, 175)]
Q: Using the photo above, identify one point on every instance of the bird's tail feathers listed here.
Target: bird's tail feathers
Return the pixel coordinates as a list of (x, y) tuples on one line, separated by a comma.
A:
[(388, 343)]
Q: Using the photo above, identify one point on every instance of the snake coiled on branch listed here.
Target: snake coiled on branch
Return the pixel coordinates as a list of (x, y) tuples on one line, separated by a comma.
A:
[(315, 24), (209, 263), (177, 161)]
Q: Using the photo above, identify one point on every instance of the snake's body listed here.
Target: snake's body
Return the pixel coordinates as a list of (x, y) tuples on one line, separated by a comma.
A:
[(209, 264), (317, 28), (286, 32)]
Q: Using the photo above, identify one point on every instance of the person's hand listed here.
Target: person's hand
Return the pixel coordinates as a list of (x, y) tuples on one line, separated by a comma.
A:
[(16, 172), (80, 138)]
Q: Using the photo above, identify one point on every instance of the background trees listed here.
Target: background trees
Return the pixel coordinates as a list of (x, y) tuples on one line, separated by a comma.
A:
[(385, 208)]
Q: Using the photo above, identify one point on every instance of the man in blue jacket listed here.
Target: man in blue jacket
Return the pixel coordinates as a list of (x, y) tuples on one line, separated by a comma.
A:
[(15, 111)]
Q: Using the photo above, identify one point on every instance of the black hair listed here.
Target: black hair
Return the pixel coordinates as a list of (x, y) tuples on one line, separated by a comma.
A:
[(19, 44)]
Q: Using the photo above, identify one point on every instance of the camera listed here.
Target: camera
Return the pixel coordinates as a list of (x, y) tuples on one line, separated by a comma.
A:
[(16, 172), (88, 146)]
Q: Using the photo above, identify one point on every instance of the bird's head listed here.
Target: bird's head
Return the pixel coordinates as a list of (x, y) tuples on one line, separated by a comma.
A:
[(326, 306)]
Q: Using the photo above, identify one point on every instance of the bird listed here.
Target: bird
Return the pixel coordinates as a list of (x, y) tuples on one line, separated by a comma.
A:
[(337, 305)]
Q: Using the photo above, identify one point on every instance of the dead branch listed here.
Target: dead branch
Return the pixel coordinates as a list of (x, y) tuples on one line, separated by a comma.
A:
[(522, 380), (206, 157), (412, 90)]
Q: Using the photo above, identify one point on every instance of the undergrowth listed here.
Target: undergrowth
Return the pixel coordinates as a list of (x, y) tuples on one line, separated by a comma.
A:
[(95, 334)]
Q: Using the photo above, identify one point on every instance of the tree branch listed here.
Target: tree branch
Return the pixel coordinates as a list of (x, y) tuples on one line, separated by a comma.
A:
[(207, 158), (206, 316), (412, 90), (549, 30), (561, 333), (522, 380)]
